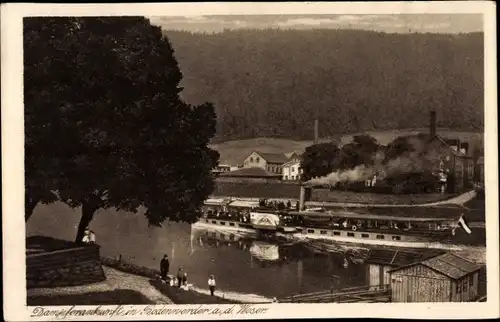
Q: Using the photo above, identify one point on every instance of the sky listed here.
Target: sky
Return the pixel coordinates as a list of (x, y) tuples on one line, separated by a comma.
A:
[(399, 23)]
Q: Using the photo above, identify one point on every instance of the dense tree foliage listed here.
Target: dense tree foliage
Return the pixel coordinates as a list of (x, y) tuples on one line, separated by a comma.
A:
[(105, 126), (362, 150), (318, 160), (274, 83)]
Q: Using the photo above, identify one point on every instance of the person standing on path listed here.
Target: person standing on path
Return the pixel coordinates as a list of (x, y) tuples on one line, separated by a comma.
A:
[(211, 284), (164, 266), (180, 275)]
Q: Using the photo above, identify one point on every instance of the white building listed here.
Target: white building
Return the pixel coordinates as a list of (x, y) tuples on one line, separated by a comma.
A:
[(270, 162), (292, 170)]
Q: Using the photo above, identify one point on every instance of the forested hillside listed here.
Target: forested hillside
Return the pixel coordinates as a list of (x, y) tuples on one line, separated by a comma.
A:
[(274, 83)]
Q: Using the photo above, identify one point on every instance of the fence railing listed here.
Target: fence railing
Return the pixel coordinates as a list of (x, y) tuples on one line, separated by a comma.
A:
[(374, 293)]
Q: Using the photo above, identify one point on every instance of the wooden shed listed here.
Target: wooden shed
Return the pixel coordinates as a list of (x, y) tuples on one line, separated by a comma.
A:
[(444, 278), (380, 261)]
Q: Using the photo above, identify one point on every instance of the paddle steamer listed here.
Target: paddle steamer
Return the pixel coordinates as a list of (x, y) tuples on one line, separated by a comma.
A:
[(408, 226)]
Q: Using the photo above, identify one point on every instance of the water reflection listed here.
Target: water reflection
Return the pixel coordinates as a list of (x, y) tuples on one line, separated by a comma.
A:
[(277, 268)]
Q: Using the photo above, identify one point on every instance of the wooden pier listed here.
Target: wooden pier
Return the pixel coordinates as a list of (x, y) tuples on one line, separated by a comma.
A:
[(359, 294)]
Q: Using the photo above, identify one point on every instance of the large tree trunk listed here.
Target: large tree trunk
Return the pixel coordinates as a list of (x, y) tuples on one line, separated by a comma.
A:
[(88, 210), (30, 203)]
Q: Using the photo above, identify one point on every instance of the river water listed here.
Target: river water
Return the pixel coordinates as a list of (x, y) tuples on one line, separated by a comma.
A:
[(242, 265)]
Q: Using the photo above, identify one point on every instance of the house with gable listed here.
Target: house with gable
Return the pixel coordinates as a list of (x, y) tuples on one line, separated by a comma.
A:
[(292, 170), (270, 162)]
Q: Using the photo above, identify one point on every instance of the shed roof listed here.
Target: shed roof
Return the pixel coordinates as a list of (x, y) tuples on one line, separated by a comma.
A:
[(250, 173), (273, 157), (400, 257), (448, 264)]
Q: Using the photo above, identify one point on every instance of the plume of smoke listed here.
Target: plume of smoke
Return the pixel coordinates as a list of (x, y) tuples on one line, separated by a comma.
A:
[(421, 158)]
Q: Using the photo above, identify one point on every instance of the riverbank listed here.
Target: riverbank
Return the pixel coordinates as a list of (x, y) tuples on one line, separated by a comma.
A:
[(285, 191), (194, 295)]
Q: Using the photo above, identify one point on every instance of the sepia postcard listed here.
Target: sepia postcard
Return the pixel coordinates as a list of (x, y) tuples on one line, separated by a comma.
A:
[(214, 161)]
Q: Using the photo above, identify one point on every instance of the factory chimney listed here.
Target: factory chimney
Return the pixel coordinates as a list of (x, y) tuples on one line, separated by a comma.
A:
[(432, 127), (316, 131)]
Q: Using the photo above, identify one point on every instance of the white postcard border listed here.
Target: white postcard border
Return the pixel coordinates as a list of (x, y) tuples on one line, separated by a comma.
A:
[(13, 153)]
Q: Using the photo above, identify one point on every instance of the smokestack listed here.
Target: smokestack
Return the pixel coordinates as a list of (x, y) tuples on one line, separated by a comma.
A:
[(316, 131), (432, 128), (305, 195), (302, 198)]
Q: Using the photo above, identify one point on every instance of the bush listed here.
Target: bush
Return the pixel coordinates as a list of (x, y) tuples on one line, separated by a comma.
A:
[(411, 183)]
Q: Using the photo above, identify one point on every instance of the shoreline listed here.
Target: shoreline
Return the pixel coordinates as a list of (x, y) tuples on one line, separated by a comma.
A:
[(133, 269)]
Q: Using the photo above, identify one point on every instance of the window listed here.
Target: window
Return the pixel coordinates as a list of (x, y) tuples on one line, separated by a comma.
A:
[(311, 231), (293, 169), (380, 237), (251, 159), (365, 235), (396, 237), (231, 224), (222, 223), (257, 159), (214, 222), (471, 281), (323, 232), (286, 177), (350, 234), (459, 287), (465, 284), (293, 177), (336, 233)]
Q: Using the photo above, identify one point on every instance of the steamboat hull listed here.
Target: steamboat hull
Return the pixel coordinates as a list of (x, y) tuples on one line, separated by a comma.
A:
[(332, 235)]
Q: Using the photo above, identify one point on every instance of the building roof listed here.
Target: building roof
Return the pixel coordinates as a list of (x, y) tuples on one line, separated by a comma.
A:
[(291, 154), (400, 257), (448, 264), (273, 157), (291, 162), (250, 173), (455, 152)]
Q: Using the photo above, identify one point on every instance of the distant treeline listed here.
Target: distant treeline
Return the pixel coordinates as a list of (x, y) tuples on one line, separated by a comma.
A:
[(274, 83)]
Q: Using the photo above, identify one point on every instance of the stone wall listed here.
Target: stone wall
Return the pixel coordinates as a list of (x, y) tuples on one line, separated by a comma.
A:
[(79, 265)]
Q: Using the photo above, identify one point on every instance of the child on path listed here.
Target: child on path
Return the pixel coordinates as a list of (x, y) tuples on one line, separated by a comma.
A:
[(211, 284), (179, 277), (185, 282)]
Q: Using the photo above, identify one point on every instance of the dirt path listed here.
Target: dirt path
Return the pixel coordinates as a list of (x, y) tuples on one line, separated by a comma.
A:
[(115, 280)]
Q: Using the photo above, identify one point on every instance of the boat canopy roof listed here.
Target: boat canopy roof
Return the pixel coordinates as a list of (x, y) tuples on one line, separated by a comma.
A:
[(216, 202), (244, 204), (390, 213)]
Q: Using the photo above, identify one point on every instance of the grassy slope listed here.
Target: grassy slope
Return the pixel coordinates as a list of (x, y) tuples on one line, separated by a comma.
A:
[(234, 152), (117, 297)]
